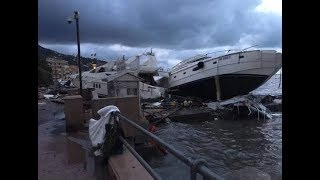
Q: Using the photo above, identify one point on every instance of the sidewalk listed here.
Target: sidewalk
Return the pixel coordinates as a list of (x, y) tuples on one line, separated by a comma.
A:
[(61, 156)]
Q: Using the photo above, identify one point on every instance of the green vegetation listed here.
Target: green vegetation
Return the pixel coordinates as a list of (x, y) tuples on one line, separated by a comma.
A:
[(44, 72)]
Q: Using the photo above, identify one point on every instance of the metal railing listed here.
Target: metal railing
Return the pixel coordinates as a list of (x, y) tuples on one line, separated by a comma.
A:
[(196, 166)]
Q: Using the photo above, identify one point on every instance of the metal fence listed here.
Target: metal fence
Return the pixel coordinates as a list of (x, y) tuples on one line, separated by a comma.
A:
[(196, 166)]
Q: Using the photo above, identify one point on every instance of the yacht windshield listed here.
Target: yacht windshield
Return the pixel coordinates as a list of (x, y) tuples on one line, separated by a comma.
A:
[(191, 60)]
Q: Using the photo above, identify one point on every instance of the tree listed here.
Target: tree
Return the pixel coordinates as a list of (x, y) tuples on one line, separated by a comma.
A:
[(44, 72)]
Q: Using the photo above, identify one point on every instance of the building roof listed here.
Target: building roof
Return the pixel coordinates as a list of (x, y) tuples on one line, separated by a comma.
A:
[(120, 74)]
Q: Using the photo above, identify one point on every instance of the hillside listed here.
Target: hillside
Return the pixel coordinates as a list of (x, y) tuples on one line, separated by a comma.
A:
[(44, 72), (72, 60)]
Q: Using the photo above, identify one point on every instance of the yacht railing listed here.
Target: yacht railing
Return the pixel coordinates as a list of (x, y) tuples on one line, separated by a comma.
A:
[(205, 56), (185, 62)]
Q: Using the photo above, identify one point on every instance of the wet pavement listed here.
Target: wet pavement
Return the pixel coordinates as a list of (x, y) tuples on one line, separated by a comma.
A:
[(62, 155)]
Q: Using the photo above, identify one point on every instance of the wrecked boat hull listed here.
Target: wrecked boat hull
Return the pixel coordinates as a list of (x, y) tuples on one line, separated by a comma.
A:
[(236, 74), (230, 84)]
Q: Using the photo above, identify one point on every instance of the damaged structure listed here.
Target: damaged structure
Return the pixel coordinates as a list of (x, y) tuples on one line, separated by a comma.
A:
[(192, 110), (118, 85)]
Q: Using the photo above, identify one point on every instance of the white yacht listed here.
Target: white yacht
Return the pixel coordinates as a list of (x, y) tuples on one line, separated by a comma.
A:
[(223, 77)]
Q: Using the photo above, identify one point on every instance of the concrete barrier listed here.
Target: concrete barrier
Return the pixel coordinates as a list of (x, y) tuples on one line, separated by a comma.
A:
[(73, 110), (126, 167), (73, 91)]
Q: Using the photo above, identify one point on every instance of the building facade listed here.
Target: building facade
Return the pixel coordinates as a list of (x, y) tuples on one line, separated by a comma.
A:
[(60, 68), (73, 69)]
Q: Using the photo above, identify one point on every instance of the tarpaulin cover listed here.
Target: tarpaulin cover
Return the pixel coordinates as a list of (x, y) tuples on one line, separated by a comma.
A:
[(97, 129)]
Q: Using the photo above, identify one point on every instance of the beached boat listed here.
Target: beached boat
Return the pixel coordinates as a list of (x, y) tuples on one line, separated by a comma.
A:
[(225, 76)]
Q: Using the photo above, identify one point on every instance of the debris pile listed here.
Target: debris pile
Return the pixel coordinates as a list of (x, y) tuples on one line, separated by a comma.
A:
[(176, 108), (243, 105)]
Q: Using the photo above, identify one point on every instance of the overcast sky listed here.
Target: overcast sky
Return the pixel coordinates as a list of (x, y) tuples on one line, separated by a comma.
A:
[(175, 29)]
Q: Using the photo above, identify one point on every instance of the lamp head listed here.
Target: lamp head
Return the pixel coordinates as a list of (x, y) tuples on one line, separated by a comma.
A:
[(70, 20), (76, 14)]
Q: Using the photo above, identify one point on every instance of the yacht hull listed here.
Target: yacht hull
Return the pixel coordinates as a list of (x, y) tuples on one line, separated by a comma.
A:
[(230, 85), (238, 74)]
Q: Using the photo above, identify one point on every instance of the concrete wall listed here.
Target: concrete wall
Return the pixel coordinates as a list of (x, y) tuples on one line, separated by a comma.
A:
[(73, 91), (73, 110), (128, 106), (126, 167), (119, 88)]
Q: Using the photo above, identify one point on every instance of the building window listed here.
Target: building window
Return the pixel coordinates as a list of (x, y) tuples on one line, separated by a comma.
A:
[(132, 91), (129, 91), (99, 86)]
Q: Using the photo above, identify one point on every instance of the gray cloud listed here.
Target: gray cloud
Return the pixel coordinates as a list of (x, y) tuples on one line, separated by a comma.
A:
[(167, 24), (175, 29)]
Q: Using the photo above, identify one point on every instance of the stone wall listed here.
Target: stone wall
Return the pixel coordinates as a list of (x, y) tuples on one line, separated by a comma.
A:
[(73, 110)]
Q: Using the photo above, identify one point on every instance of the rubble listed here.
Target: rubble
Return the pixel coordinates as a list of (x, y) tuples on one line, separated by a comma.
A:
[(188, 109)]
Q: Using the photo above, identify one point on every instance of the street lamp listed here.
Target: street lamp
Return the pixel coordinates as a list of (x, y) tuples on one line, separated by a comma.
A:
[(70, 19), (94, 62)]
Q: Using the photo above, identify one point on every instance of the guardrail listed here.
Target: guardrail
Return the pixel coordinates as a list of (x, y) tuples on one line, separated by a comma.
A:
[(197, 166)]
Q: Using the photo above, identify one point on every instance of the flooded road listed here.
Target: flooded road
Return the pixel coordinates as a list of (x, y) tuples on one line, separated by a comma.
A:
[(225, 144), (61, 155)]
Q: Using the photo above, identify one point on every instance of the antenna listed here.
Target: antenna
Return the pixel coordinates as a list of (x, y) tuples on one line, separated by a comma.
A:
[(249, 47), (218, 51)]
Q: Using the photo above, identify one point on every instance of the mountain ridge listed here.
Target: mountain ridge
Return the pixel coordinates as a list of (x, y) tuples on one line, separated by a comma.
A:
[(72, 60)]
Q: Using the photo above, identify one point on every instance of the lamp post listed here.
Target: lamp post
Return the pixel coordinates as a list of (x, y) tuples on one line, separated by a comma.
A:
[(94, 62), (70, 19)]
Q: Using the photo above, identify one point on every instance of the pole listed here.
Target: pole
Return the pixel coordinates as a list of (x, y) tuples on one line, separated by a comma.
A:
[(218, 91), (78, 42)]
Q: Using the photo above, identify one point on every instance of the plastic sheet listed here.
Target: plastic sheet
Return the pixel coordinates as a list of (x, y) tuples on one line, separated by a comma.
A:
[(97, 129)]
